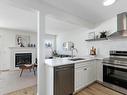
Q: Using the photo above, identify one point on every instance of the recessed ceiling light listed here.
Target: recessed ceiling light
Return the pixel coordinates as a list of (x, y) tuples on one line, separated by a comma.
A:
[(108, 2)]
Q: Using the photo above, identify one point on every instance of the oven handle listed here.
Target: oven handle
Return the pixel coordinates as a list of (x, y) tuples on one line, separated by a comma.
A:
[(116, 66)]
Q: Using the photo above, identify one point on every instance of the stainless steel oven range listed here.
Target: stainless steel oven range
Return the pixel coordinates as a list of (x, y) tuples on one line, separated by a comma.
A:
[(115, 71)]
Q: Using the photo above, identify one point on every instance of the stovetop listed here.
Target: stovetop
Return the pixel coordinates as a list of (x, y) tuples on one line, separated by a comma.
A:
[(115, 61)]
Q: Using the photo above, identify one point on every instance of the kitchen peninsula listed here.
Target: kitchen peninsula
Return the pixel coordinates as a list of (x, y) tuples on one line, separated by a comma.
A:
[(70, 75)]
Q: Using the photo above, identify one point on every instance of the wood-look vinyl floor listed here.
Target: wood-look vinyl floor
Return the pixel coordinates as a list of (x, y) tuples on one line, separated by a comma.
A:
[(95, 89), (27, 91), (98, 89)]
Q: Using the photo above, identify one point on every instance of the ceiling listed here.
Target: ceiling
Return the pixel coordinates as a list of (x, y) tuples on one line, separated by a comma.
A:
[(55, 26), (20, 19), (15, 18), (90, 10)]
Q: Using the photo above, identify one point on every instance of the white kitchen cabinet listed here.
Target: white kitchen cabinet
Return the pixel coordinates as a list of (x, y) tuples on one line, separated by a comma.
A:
[(91, 72), (85, 74), (80, 77), (99, 70)]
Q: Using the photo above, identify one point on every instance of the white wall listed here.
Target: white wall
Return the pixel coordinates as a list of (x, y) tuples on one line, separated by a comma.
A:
[(103, 47), (7, 39), (77, 36), (52, 39)]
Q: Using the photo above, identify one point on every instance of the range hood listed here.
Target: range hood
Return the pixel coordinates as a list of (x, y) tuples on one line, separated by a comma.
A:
[(121, 26)]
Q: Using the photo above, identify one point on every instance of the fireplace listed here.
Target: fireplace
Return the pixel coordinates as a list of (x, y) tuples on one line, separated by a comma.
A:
[(23, 58)]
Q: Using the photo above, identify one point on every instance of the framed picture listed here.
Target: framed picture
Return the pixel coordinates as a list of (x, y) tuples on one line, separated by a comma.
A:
[(22, 40)]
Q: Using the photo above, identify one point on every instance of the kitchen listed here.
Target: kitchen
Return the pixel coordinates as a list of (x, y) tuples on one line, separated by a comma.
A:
[(95, 66)]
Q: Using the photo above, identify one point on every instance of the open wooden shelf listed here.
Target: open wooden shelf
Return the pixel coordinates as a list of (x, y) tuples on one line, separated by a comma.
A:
[(98, 39)]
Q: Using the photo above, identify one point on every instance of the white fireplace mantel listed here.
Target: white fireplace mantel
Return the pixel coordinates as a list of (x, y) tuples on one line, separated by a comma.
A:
[(22, 48), (14, 50)]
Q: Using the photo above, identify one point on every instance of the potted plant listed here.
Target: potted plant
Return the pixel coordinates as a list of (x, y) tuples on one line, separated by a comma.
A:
[(103, 34)]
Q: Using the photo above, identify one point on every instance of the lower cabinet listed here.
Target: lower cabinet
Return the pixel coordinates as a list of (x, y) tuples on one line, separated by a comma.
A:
[(63, 80), (85, 74), (91, 72), (99, 70), (80, 77)]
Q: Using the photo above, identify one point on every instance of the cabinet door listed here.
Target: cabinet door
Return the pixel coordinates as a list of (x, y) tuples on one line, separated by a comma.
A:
[(91, 72), (80, 78), (99, 70)]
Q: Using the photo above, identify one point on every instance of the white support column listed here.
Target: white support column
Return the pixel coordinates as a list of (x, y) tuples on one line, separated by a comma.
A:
[(41, 81)]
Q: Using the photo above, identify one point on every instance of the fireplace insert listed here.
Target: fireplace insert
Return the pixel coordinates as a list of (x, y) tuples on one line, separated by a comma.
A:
[(23, 58)]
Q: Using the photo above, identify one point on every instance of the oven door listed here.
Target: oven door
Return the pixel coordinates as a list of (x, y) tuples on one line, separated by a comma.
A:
[(115, 75)]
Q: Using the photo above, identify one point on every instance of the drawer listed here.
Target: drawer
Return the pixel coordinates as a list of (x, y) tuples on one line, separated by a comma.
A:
[(82, 64)]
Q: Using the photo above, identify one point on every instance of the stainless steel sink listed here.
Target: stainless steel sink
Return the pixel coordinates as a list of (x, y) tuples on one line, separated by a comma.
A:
[(76, 59)]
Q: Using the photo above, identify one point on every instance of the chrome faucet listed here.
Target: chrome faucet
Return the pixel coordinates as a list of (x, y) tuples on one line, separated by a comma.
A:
[(72, 51)]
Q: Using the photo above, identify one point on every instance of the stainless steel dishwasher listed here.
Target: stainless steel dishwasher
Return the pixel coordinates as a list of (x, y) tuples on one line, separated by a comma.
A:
[(64, 80)]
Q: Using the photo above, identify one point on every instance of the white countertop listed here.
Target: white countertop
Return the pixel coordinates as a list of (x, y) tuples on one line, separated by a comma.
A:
[(65, 61)]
